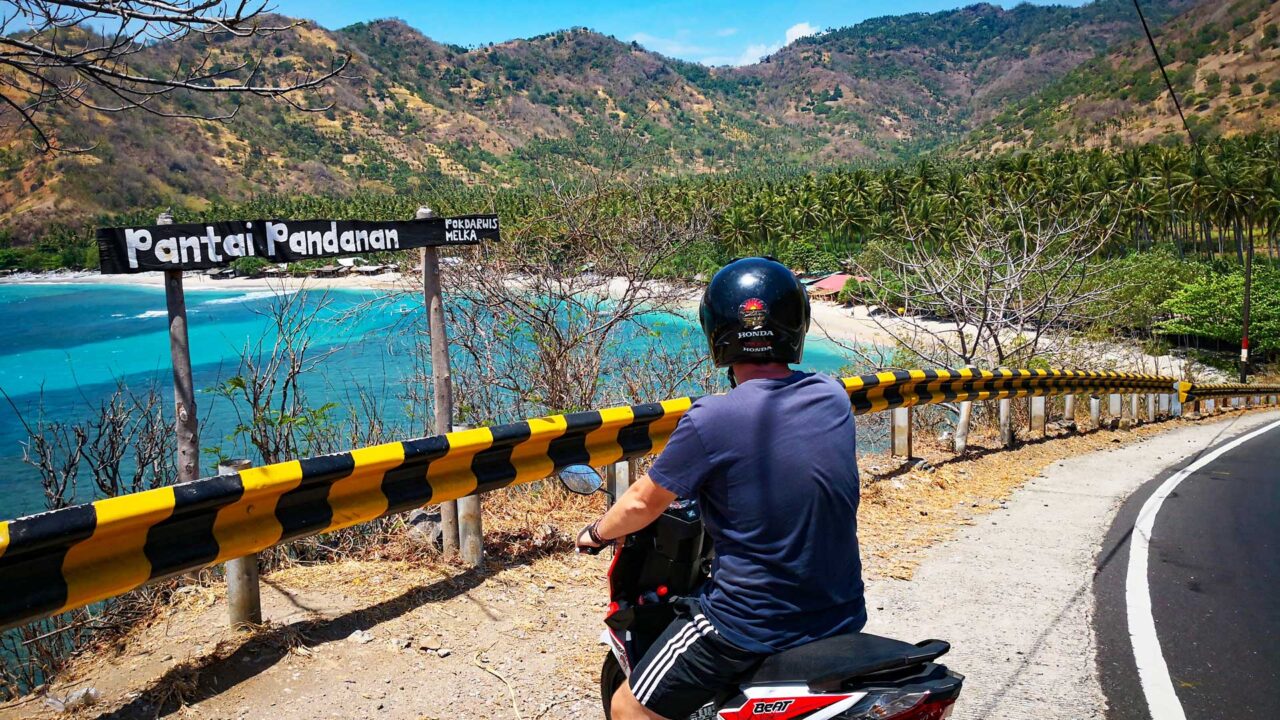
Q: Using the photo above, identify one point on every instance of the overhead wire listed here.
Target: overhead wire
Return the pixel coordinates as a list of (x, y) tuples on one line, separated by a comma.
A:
[(1164, 73)]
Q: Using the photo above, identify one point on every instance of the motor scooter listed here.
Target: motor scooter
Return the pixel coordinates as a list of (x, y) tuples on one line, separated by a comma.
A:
[(857, 676)]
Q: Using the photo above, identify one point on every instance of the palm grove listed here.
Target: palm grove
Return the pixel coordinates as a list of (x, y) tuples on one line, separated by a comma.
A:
[(1179, 223)]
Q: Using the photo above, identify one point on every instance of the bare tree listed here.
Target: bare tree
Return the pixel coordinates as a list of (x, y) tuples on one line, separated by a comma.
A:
[(90, 54), (564, 313), (987, 293), (101, 445), (55, 449), (272, 411), (127, 421)]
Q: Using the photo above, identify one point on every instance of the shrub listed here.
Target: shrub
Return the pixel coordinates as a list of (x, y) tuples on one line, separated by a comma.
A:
[(802, 255), (250, 266), (1212, 308), (1136, 285), (852, 292)]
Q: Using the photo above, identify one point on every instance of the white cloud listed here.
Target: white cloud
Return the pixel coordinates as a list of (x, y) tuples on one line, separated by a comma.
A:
[(683, 46), (799, 30), (755, 52), (671, 47), (752, 54)]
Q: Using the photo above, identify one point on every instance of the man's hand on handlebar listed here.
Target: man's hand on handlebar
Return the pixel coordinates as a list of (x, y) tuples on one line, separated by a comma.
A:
[(589, 540), (640, 505)]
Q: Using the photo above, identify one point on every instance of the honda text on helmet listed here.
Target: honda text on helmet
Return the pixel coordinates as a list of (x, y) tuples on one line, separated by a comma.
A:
[(755, 310)]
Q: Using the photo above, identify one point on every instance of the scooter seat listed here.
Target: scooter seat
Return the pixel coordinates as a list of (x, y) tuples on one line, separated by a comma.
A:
[(825, 665)]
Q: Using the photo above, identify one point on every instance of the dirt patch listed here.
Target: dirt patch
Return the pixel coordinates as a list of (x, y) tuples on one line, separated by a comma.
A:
[(415, 637)]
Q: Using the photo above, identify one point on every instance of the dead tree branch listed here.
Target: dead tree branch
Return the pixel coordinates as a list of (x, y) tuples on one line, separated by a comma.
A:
[(99, 55)]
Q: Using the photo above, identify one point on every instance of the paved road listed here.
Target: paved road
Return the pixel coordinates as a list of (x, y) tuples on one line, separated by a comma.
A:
[(1214, 575)]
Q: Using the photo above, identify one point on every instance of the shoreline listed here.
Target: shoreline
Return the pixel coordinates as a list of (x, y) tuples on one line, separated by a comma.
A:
[(833, 322), (201, 282)]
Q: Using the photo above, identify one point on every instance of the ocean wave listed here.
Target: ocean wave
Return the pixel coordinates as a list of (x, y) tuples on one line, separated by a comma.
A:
[(151, 314), (249, 297)]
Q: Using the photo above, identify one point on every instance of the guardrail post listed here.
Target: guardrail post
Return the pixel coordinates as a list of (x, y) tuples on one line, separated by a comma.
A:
[(1037, 425), (900, 432), (470, 530), (1133, 408), (1210, 406), (617, 477), (1095, 412), (244, 602), (1006, 422), (1151, 407), (1069, 411), (962, 427), (470, 523), (1115, 409)]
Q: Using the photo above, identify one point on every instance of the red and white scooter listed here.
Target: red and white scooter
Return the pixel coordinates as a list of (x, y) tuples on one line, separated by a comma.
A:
[(847, 677)]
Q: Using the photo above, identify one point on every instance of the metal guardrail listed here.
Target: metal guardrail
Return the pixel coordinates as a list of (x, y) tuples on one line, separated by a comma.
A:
[(65, 559)]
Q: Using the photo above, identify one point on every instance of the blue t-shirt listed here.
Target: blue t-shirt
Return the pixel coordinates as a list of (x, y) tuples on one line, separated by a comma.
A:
[(773, 466)]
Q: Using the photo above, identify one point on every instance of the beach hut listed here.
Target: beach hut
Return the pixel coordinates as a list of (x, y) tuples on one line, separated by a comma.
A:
[(829, 287), (328, 271)]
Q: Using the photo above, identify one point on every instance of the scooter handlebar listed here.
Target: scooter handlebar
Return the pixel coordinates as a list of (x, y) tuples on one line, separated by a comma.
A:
[(587, 550)]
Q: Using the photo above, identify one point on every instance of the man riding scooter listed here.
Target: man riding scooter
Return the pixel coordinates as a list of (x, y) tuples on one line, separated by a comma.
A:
[(773, 466)]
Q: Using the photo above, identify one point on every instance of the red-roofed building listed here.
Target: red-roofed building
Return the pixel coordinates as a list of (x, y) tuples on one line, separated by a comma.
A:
[(831, 285)]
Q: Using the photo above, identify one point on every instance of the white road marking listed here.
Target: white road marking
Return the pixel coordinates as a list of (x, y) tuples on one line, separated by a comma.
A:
[(1153, 671)]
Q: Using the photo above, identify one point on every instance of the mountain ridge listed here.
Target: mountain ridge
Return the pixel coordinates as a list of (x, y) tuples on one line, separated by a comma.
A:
[(419, 111)]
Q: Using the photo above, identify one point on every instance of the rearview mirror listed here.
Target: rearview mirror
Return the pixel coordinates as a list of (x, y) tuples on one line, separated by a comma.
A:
[(581, 479)]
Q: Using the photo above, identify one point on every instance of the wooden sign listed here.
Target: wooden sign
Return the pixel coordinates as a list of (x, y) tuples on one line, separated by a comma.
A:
[(199, 246)]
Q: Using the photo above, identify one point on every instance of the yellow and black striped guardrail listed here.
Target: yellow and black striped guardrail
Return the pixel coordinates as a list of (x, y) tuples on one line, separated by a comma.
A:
[(69, 558)]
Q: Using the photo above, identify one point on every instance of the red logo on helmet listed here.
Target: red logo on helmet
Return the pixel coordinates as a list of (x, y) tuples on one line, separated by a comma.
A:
[(752, 312)]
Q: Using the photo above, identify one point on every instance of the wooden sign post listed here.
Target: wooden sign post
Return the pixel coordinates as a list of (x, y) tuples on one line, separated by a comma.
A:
[(186, 422), (441, 375), (460, 520)]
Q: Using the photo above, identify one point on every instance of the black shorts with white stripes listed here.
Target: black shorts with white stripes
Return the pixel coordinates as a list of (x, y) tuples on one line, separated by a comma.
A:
[(688, 665)]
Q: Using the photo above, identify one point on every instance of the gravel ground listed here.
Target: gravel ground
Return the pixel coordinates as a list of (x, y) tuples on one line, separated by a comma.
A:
[(1013, 592)]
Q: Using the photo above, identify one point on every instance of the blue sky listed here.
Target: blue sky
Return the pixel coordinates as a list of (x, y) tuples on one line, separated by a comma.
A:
[(717, 32)]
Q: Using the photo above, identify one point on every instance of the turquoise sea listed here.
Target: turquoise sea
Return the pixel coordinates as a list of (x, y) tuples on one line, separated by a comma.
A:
[(68, 345)]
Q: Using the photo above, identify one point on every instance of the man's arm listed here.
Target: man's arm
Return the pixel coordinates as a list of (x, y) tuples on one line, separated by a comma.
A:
[(643, 502)]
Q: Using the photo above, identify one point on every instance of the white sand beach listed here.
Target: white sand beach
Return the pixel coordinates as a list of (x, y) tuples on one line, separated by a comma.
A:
[(199, 281), (846, 326)]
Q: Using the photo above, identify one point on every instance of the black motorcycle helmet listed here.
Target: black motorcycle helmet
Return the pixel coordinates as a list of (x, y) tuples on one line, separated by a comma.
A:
[(755, 310)]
